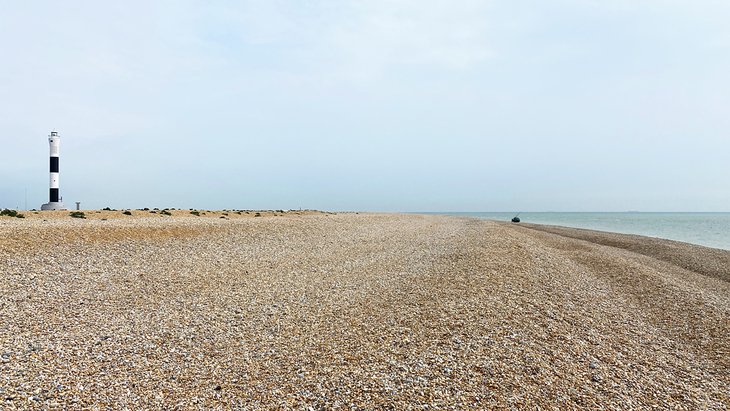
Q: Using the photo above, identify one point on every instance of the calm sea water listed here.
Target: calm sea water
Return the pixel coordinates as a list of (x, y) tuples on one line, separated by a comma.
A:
[(708, 229)]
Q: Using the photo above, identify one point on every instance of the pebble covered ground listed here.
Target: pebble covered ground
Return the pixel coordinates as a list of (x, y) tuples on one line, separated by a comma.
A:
[(353, 311)]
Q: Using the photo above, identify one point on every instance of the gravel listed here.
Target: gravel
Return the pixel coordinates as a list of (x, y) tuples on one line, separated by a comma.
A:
[(352, 311)]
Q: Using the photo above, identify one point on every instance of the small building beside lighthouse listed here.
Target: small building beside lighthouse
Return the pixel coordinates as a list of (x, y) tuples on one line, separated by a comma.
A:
[(55, 201)]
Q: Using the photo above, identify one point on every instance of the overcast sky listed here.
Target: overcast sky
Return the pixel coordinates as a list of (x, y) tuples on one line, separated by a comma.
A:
[(414, 105)]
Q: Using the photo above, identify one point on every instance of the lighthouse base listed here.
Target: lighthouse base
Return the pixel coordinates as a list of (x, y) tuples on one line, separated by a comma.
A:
[(53, 206)]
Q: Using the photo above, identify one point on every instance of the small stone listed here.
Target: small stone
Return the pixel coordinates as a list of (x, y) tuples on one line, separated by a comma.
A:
[(218, 388), (596, 378), (593, 365)]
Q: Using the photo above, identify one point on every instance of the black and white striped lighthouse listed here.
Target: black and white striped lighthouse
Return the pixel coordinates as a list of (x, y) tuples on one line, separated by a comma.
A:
[(55, 200)]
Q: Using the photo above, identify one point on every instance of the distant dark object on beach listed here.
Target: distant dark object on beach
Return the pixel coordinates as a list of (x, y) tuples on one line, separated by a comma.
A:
[(515, 219)]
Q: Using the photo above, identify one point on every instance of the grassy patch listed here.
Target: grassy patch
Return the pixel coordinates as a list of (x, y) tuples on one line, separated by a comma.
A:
[(9, 213)]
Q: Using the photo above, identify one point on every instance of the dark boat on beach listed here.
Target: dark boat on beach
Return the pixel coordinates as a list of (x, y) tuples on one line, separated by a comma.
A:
[(515, 219)]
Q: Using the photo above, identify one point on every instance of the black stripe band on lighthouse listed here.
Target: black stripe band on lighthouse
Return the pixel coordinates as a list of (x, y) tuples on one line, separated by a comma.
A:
[(55, 199)]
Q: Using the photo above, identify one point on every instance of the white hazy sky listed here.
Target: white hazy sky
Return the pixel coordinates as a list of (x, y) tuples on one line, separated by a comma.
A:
[(564, 105)]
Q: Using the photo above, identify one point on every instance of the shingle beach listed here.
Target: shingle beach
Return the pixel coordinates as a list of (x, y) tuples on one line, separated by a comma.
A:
[(355, 311)]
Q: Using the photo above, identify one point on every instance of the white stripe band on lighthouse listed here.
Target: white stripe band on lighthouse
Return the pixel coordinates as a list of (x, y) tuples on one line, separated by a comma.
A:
[(54, 200)]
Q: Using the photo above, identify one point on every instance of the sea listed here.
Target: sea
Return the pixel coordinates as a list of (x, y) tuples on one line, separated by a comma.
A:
[(707, 229)]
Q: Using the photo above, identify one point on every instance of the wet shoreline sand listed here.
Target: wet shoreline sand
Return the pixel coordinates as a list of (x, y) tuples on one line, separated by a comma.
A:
[(291, 310)]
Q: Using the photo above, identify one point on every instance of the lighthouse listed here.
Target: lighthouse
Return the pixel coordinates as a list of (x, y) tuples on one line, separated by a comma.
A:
[(54, 202)]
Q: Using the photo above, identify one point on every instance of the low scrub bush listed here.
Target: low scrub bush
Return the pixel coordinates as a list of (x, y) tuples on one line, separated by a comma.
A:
[(9, 213)]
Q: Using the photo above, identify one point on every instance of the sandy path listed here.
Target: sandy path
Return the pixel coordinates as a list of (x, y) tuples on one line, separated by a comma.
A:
[(343, 311)]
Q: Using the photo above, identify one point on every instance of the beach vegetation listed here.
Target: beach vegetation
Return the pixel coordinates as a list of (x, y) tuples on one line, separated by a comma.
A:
[(8, 212), (11, 213), (77, 214)]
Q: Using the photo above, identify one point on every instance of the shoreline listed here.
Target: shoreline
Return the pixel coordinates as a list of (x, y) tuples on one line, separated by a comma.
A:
[(711, 261), (647, 224), (356, 310)]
